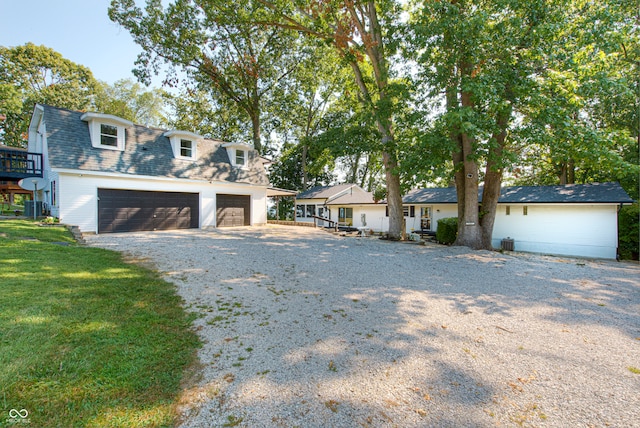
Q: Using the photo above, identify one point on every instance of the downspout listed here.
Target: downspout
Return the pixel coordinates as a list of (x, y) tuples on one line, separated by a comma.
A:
[(618, 231)]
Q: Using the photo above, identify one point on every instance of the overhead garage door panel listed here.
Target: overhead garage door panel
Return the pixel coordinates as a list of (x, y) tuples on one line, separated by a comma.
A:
[(233, 210), (133, 210)]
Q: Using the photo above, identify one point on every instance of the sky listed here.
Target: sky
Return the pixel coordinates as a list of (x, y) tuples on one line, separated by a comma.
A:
[(80, 30)]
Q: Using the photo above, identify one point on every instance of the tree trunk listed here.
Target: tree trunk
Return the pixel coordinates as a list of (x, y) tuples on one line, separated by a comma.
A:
[(364, 183), (394, 197), (493, 174), (305, 174), (571, 172), (354, 168), (469, 229), (255, 126), (567, 172)]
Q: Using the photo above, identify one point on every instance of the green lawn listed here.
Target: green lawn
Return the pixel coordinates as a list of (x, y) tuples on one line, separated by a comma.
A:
[(86, 339)]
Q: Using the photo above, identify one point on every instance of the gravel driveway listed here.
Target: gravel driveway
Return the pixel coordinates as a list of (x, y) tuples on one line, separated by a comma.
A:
[(305, 328)]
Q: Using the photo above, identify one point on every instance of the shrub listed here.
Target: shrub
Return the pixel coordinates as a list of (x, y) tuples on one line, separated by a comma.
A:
[(447, 230), (628, 232)]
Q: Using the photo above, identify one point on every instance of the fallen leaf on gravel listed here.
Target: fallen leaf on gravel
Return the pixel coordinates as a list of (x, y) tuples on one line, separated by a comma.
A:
[(515, 387), (332, 405), (391, 403)]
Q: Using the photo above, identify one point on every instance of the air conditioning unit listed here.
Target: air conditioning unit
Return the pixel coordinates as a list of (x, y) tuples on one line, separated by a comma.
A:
[(507, 244)]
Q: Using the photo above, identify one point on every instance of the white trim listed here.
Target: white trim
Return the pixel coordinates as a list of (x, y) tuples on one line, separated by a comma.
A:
[(232, 150), (95, 122), (106, 118), (176, 137), (186, 134), (150, 177), (245, 146)]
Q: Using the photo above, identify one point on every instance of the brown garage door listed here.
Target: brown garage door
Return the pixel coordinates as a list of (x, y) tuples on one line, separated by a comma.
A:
[(233, 210), (134, 210)]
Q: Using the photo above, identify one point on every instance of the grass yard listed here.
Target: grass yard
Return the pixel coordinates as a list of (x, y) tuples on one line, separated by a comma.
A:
[(85, 338)]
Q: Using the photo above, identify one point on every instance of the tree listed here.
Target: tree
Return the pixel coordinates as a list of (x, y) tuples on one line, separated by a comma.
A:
[(299, 106), (129, 100), (478, 56), (218, 49), (31, 74), (197, 110), (588, 130), (362, 32), (508, 75)]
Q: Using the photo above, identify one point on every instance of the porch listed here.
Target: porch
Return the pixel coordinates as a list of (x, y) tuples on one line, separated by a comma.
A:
[(16, 164)]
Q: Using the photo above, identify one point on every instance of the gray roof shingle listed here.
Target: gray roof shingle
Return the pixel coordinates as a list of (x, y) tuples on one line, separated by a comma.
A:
[(570, 193), (147, 152), (353, 198), (323, 192)]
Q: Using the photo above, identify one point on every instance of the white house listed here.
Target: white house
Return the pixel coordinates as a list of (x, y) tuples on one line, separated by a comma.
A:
[(345, 204), (106, 174), (576, 220)]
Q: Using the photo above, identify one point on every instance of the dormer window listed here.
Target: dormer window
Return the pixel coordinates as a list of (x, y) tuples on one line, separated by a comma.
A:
[(107, 131), (108, 135), (186, 148), (240, 157), (183, 144), (238, 154)]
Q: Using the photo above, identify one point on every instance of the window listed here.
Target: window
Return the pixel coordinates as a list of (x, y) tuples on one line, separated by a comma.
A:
[(186, 148), (425, 218), (508, 210), (106, 131), (525, 210), (184, 144), (300, 211), (345, 216), (311, 210), (109, 135), (54, 194), (240, 157)]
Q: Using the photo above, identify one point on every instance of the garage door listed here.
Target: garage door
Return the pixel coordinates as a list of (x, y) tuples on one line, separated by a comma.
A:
[(134, 210), (233, 210)]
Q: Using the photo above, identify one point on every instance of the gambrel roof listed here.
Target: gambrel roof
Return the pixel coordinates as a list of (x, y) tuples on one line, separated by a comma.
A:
[(147, 152)]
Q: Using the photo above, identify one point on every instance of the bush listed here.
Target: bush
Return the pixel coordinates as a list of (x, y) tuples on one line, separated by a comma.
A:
[(447, 230), (628, 232)]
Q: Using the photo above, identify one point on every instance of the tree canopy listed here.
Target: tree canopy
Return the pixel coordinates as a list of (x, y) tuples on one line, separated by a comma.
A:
[(31, 74)]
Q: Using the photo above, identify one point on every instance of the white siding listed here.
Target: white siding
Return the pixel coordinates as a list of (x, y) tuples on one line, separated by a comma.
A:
[(316, 202), (374, 216), (54, 192), (573, 229), (78, 196), (438, 211), (576, 230)]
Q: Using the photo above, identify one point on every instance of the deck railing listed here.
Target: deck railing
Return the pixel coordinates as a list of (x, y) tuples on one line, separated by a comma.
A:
[(18, 164)]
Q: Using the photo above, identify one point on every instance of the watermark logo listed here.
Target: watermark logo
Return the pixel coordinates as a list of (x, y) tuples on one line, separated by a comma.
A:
[(19, 416)]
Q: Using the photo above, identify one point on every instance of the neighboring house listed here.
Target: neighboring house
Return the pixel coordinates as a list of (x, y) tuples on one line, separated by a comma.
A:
[(107, 174), (347, 204), (575, 220)]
